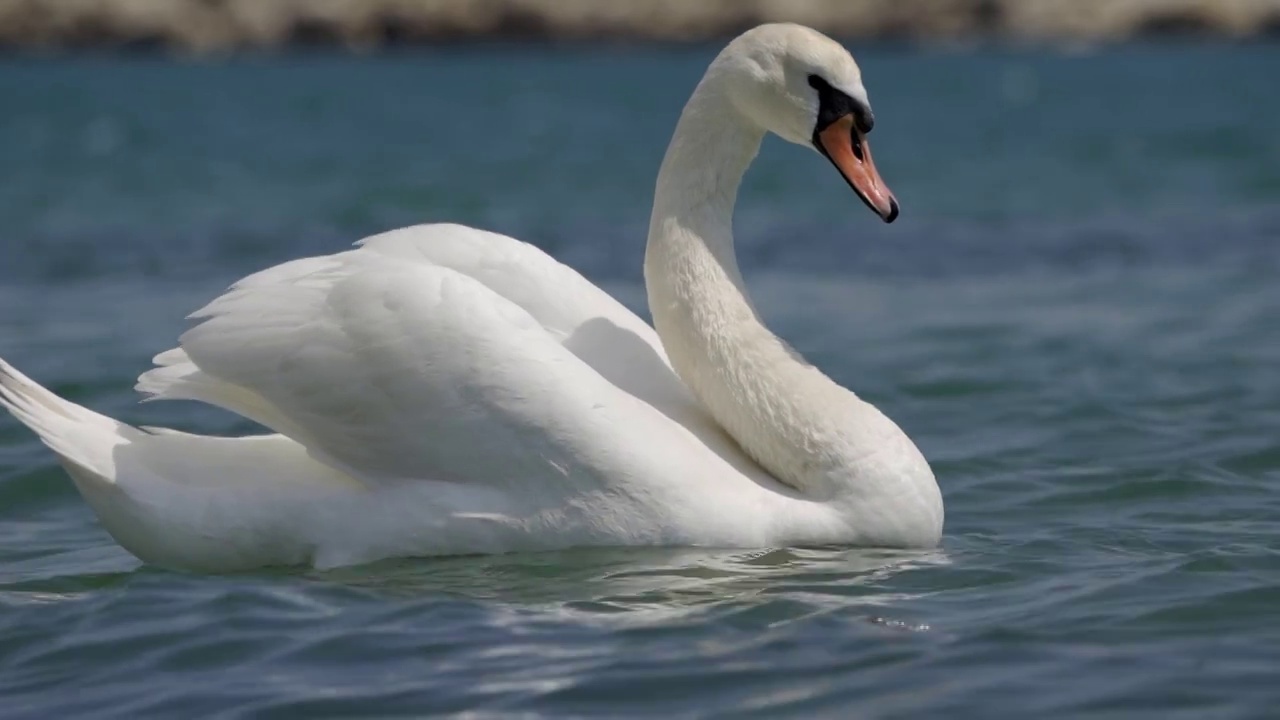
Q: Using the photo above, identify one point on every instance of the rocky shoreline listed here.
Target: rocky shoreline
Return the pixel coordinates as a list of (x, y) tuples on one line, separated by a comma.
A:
[(203, 26)]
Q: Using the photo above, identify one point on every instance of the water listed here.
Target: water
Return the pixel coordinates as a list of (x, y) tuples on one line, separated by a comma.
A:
[(1076, 319)]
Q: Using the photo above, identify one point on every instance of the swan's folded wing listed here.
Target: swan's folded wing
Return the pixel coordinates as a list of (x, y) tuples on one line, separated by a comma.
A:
[(556, 295), (394, 370), (586, 320)]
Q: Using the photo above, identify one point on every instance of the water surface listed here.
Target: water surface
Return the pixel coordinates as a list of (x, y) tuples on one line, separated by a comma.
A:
[(1076, 318)]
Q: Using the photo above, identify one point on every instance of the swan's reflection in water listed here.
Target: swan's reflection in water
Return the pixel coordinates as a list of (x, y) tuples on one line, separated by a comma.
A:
[(662, 587), (736, 630)]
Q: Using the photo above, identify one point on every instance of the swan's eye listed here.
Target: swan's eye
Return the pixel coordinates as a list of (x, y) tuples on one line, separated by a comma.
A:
[(834, 104)]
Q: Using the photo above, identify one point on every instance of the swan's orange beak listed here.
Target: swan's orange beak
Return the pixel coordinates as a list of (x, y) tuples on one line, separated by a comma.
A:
[(846, 147)]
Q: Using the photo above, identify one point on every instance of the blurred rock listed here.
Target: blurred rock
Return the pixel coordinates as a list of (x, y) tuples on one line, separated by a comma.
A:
[(215, 25)]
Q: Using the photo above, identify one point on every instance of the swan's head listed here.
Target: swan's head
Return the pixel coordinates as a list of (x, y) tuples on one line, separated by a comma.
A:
[(805, 87)]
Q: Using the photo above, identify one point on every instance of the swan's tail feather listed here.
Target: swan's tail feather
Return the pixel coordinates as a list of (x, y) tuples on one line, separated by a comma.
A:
[(175, 377), (79, 436), (180, 500)]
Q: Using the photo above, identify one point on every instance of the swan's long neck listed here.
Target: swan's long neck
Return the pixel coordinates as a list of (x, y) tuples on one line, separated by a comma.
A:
[(802, 427)]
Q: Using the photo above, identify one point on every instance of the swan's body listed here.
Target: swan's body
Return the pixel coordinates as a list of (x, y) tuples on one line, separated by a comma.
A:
[(444, 390)]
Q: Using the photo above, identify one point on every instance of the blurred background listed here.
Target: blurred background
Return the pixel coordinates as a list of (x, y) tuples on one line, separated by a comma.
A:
[(1076, 318), (211, 26)]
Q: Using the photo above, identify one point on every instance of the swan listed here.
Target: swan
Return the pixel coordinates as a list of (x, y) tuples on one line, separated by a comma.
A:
[(441, 389)]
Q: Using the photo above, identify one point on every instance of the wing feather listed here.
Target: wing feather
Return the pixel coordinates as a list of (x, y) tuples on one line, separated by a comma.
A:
[(391, 361)]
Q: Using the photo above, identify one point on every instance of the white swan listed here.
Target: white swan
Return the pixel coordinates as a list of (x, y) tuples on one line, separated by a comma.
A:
[(447, 390)]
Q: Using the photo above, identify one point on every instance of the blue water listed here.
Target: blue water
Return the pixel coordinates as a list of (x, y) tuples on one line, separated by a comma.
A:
[(1076, 318)]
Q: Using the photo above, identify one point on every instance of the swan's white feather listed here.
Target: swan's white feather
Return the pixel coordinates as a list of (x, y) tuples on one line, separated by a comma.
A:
[(382, 371), (210, 503), (389, 364)]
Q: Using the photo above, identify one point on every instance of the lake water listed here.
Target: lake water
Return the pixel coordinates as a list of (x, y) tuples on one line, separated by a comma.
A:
[(1076, 318)]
